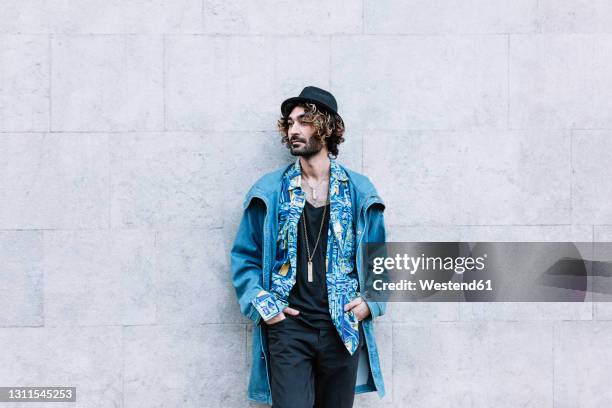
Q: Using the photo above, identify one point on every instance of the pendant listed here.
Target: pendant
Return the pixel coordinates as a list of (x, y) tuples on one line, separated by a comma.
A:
[(314, 194), (310, 279)]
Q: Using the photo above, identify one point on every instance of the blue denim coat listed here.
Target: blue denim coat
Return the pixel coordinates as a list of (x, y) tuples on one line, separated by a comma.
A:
[(252, 257)]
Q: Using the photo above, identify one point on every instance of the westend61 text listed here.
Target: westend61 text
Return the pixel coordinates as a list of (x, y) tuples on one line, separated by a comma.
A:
[(429, 284)]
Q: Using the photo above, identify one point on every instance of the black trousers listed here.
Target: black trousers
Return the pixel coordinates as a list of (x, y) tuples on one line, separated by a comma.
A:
[(311, 367)]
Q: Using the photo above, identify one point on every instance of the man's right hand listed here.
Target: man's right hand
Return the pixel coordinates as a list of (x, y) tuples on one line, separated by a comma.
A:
[(281, 316)]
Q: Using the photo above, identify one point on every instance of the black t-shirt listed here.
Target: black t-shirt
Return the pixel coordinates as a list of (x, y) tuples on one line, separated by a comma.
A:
[(310, 298)]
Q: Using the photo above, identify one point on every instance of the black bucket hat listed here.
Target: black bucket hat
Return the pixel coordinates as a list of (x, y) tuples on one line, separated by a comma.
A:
[(311, 94)]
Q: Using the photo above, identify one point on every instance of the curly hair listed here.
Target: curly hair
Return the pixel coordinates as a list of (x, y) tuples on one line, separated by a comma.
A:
[(329, 127)]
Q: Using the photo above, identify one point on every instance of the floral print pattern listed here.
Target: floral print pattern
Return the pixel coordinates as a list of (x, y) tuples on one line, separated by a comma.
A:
[(340, 257)]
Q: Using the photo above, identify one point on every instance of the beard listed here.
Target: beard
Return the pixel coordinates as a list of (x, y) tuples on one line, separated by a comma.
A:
[(310, 148)]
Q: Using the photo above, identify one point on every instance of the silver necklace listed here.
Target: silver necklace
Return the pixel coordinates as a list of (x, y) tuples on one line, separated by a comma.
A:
[(313, 188)]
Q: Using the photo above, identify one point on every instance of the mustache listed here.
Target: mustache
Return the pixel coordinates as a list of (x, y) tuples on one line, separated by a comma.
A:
[(296, 139)]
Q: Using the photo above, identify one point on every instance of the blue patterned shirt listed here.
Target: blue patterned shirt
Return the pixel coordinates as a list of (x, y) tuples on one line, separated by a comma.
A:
[(340, 257)]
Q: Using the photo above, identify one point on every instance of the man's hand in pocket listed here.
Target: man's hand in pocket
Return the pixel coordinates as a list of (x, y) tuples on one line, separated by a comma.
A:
[(359, 307), (281, 316)]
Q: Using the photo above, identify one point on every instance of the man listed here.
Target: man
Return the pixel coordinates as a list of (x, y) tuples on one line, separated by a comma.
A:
[(296, 267)]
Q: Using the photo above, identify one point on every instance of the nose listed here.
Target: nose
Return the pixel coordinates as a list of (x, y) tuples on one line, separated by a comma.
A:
[(294, 129)]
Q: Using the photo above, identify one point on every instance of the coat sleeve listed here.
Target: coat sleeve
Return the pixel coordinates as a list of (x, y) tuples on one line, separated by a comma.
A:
[(246, 265), (376, 233)]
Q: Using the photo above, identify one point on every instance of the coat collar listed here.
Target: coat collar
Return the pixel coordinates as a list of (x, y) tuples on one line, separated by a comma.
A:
[(268, 186)]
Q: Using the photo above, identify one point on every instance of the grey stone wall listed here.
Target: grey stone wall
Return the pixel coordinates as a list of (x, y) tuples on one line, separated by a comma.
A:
[(131, 130)]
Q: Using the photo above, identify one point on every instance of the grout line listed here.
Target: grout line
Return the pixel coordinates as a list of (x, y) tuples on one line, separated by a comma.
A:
[(2, 76), (363, 7), (155, 279), (250, 131), (294, 34), (392, 365), (123, 366), (164, 79), (553, 363), (571, 175), (593, 304), (89, 326), (119, 132), (50, 70), (110, 180), (477, 225), (44, 277), (204, 228), (508, 80), (27, 326), (363, 145), (538, 18), (166, 229), (225, 44), (459, 313), (329, 61), (203, 16)]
